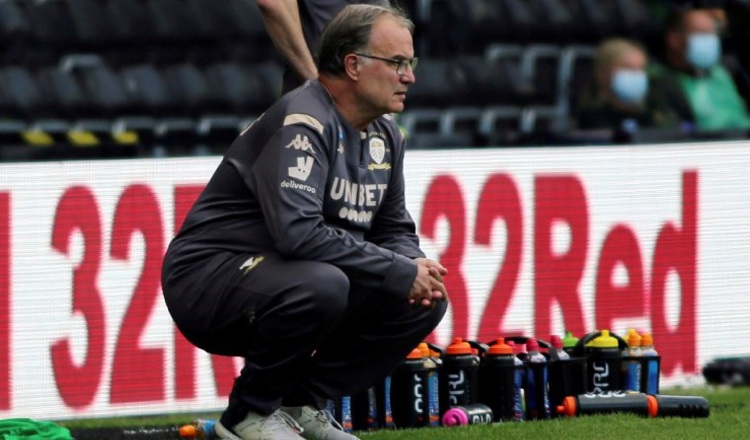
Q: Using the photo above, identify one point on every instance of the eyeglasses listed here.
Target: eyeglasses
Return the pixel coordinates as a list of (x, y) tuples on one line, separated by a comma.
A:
[(401, 63)]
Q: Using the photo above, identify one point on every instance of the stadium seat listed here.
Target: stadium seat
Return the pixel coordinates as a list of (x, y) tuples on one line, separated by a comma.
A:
[(504, 61), (425, 129), (213, 22), (175, 126), (181, 32), (557, 22), (462, 120), (541, 124), (20, 94), (237, 86), (434, 86), (148, 88), (188, 81), (103, 87), (217, 132), (134, 30), (479, 82), (174, 21), (269, 74), (540, 64), (94, 25), (441, 28), (458, 119), (500, 125), (638, 22), (521, 21), (65, 91), (577, 73), (251, 44), (54, 33), (602, 18), (431, 141), (15, 32), (421, 121)]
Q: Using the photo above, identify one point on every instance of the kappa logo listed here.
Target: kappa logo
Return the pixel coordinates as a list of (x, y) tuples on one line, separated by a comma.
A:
[(251, 263), (303, 168), (301, 143)]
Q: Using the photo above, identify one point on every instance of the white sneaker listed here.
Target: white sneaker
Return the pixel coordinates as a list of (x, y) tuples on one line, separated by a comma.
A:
[(276, 426), (317, 424)]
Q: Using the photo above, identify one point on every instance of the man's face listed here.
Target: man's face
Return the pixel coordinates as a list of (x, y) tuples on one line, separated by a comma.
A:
[(694, 22), (381, 89)]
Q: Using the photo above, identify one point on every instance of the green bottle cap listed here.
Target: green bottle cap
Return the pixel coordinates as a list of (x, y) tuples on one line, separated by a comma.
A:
[(569, 341)]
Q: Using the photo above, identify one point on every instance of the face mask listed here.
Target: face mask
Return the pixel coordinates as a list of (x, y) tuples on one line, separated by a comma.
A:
[(703, 50), (629, 86)]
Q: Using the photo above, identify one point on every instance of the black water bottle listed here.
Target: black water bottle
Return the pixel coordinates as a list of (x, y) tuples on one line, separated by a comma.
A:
[(459, 379), (497, 388), (604, 353), (409, 396), (648, 405)]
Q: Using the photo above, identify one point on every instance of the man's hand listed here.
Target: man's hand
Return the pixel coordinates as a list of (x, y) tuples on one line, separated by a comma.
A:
[(428, 287)]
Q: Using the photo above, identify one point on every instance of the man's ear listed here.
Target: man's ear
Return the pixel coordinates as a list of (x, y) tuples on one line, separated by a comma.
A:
[(351, 66)]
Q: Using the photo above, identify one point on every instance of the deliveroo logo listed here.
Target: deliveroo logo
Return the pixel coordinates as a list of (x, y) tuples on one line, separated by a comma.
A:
[(303, 168)]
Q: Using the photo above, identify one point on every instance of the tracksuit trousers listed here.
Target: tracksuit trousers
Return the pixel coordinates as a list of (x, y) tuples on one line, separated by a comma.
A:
[(308, 332)]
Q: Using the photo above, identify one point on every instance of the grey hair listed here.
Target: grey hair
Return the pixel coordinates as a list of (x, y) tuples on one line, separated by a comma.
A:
[(350, 32)]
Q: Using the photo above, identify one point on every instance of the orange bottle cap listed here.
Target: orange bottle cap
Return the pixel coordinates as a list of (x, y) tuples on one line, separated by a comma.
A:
[(458, 347), (415, 354), (188, 431), (634, 340), (424, 348), (500, 348), (568, 407), (647, 339)]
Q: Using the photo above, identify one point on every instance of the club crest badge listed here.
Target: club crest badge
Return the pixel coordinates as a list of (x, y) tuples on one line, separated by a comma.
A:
[(377, 149)]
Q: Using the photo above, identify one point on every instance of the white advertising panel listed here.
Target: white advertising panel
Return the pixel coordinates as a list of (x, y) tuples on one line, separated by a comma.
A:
[(537, 241)]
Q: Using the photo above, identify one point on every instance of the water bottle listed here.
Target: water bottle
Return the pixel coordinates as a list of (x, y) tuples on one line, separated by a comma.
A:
[(567, 374), (371, 408), (198, 429), (569, 343), (410, 396), (604, 362), (345, 416), (558, 346), (519, 408), (459, 378), (637, 403), (341, 410), (537, 393), (651, 362), (497, 379), (475, 414), (432, 389), (633, 363)]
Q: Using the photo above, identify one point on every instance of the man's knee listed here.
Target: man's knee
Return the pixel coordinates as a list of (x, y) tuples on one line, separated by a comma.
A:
[(327, 289), (434, 315)]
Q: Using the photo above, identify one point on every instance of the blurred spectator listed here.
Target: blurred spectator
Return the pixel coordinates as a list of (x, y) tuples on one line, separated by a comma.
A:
[(619, 97), (692, 73)]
